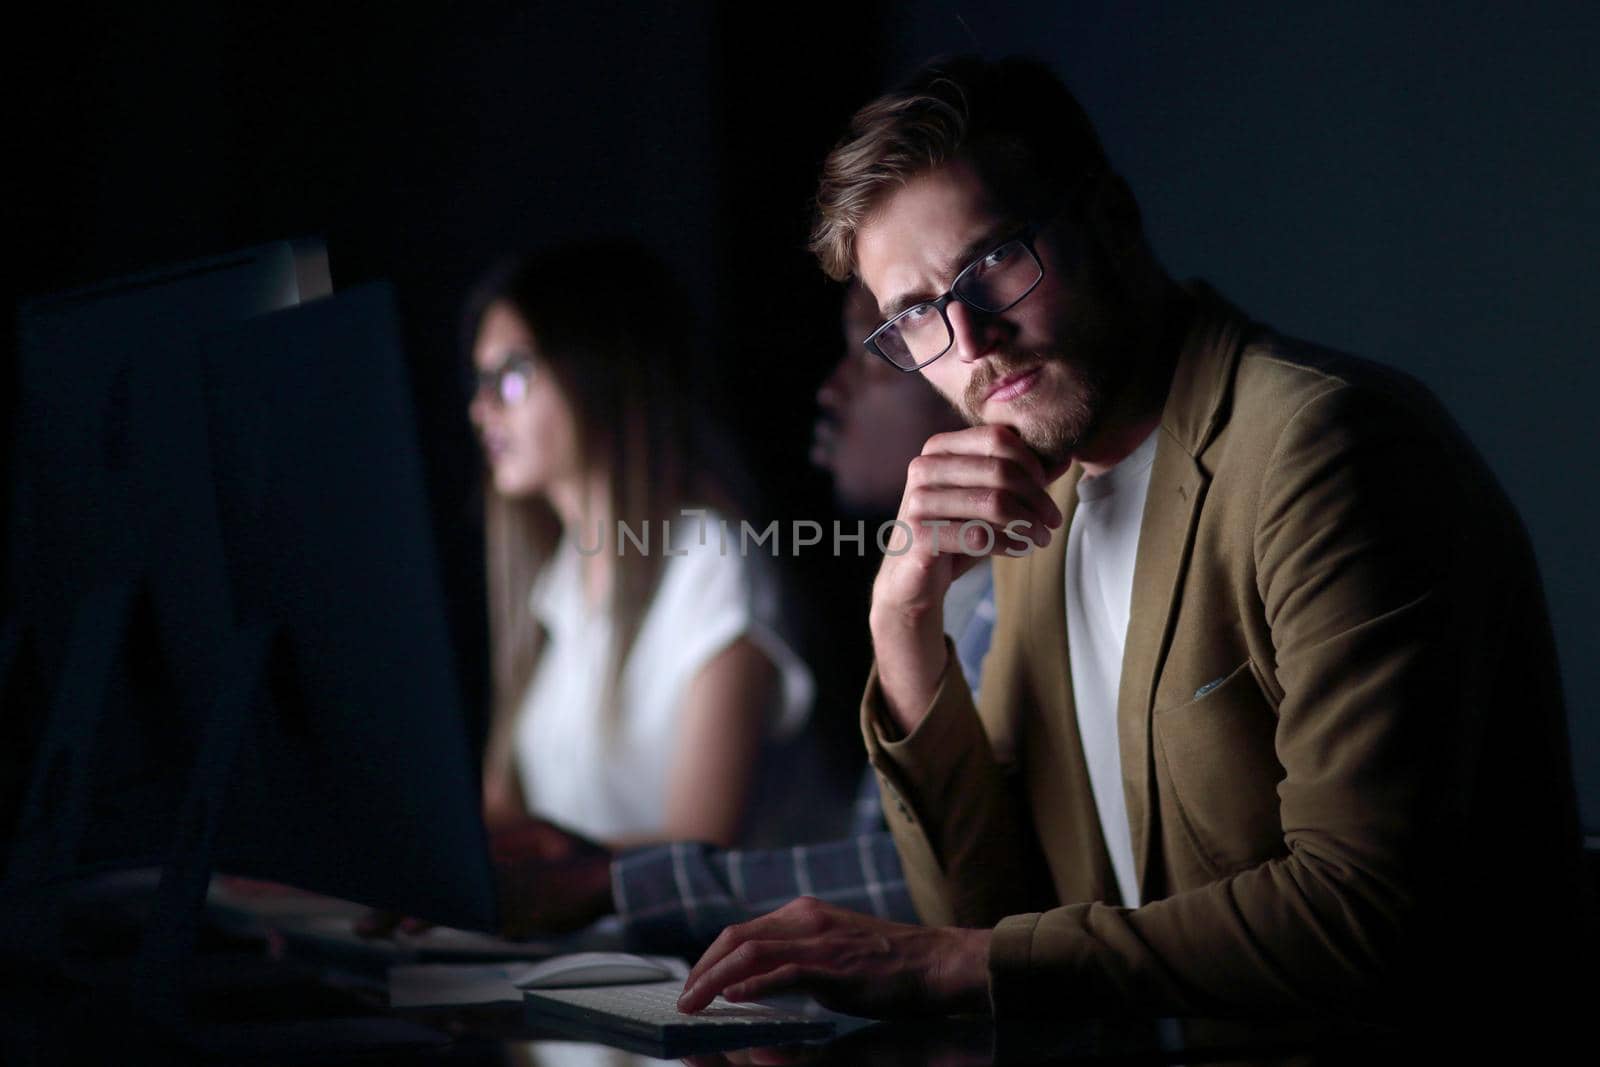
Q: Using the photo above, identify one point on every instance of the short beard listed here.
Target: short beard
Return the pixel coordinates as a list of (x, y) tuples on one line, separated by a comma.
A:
[(1056, 434), (1099, 351)]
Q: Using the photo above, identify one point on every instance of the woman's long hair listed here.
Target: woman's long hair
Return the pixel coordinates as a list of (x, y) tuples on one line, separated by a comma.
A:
[(612, 329)]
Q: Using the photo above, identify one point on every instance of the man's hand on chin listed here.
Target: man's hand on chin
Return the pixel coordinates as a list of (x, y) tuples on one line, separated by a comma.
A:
[(971, 493), (850, 962)]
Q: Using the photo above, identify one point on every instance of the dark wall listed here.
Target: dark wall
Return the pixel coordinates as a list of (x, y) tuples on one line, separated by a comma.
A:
[(424, 146), (1412, 183)]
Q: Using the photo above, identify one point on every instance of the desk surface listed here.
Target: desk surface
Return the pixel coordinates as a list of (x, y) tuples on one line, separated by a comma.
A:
[(254, 1006), (975, 1042), (271, 1015)]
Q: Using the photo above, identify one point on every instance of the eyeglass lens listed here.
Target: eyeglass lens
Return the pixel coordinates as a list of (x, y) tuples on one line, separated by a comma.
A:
[(991, 284), (507, 383)]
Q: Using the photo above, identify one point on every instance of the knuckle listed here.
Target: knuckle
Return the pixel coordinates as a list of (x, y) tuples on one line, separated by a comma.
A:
[(748, 954), (812, 912)]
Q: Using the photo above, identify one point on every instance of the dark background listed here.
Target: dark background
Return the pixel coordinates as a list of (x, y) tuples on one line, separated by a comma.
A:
[(1415, 184)]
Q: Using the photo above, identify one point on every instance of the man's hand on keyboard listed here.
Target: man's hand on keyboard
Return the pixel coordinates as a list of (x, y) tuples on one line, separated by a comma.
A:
[(850, 962)]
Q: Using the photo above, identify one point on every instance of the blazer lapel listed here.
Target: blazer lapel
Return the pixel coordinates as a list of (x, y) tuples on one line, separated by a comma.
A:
[(1171, 512), (1196, 407)]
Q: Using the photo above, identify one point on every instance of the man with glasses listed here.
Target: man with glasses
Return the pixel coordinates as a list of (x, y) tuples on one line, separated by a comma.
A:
[(1271, 721)]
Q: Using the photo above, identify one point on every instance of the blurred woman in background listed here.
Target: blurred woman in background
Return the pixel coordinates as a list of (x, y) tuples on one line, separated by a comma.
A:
[(633, 686)]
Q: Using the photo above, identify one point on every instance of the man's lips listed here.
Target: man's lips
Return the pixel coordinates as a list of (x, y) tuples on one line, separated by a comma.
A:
[(1012, 385)]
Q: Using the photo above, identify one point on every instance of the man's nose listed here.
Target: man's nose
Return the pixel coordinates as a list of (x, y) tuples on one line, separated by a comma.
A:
[(974, 333)]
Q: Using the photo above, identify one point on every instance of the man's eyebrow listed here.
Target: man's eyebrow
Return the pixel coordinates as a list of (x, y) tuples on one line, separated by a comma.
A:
[(991, 238)]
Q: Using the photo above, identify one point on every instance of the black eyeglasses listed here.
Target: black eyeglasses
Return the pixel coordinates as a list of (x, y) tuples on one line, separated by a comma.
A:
[(996, 281), (508, 383)]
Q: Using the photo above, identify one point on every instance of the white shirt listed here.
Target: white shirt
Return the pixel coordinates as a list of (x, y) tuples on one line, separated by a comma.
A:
[(604, 787), (1101, 546)]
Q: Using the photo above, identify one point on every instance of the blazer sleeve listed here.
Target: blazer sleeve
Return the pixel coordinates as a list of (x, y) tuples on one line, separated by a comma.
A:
[(958, 815), (1367, 528)]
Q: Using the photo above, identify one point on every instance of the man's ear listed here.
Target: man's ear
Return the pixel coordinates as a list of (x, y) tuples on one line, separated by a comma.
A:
[(1113, 216)]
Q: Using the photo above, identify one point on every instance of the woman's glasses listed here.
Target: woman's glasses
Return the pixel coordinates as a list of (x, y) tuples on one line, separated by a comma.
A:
[(508, 383)]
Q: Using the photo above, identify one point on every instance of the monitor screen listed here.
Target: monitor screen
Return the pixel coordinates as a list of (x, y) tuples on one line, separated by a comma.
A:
[(356, 778), (222, 470), (112, 541)]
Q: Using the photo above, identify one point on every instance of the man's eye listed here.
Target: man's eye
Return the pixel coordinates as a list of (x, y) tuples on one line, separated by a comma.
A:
[(917, 315), (998, 256)]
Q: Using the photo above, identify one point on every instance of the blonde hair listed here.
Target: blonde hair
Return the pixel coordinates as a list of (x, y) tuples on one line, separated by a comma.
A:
[(1013, 118)]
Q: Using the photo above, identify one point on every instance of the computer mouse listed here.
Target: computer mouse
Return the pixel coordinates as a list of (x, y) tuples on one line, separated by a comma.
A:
[(589, 969)]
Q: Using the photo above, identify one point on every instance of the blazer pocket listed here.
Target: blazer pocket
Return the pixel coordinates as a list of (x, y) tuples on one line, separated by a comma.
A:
[(1217, 755)]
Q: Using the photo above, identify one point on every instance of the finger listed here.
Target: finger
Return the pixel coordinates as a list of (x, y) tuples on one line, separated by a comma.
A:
[(976, 539), (972, 520), (968, 468), (799, 917), (743, 962), (936, 508), (998, 441), (784, 979), (730, 938), (966, 471), (751, 960), (968, 539)]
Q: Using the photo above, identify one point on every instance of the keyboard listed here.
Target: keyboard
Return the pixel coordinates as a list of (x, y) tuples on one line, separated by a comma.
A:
[(645, 1018)]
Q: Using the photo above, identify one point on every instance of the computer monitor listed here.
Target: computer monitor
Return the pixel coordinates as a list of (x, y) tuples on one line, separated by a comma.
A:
[(111, 539), (99, 432), (231, 622), (356, 777)]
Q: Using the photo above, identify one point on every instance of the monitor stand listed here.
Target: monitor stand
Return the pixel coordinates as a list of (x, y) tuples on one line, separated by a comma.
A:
[(55, 819), (160, 980), (55, 809)]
